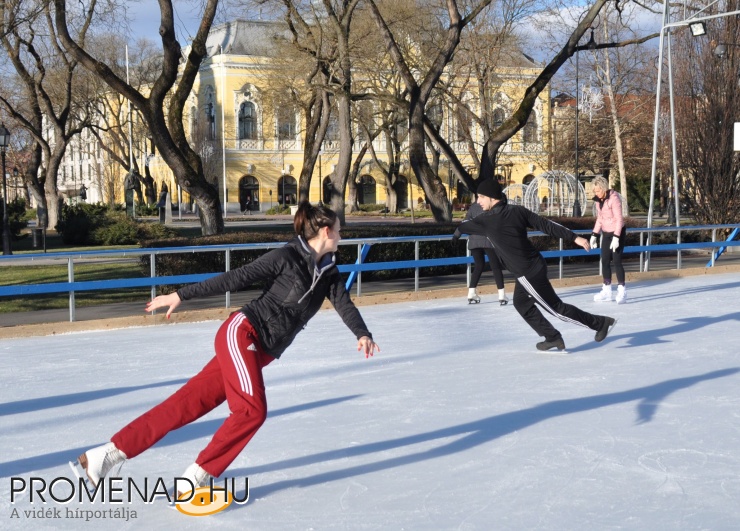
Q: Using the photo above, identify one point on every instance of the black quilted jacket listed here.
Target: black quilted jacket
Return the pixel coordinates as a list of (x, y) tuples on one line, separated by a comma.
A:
[(295, 290)]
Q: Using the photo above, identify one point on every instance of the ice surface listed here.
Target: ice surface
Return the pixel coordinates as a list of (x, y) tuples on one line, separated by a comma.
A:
[(459, 423)]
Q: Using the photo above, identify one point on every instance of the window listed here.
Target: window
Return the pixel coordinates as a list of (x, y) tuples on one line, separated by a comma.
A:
[(211, 121), (529, 131), (247, 121), (464, 129), (332, 129), (436, 115), (498, 118), (286, 127)]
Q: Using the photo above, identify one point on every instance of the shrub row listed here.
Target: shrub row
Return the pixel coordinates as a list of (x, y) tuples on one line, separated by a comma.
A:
[(209, 262)]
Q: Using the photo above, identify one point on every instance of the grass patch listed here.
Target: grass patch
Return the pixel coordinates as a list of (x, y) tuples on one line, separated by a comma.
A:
[(15, 275)]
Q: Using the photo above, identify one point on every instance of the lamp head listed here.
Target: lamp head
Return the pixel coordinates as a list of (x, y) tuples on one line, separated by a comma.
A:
[(4, 136), (591, 44)]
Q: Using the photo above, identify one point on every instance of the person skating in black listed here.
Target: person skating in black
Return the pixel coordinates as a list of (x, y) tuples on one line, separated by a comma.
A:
[(506, 226), (480, 247)]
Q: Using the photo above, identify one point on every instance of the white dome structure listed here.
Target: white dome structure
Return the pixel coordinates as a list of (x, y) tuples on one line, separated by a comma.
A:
[(555, 193), (515, 193)]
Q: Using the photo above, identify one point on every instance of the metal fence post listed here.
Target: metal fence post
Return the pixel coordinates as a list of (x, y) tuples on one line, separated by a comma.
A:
[(153, 274), (416, 269), (228, 268), (560, 261), (359, 273), (70, 279)]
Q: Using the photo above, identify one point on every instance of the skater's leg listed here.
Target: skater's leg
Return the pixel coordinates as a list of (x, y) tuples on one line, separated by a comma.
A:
[(538, 285), (241, 357), (496, 268), (479, 263), (201, 394), (606, 257), (618, 267), (524, 303)]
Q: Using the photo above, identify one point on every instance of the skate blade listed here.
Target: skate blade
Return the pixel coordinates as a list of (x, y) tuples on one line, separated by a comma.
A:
[(554, 352), (80, 474), (473, 301), (503, 303)]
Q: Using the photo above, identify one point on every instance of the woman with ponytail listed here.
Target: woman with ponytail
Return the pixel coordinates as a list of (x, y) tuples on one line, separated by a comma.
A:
[(298, 277)]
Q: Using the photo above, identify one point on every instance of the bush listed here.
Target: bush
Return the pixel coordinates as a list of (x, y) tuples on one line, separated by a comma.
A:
[(17, 219), (87, 224), (77, 222), (278, 209)]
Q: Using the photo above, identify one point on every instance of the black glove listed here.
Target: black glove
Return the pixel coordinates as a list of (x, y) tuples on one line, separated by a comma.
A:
[(455, 239)]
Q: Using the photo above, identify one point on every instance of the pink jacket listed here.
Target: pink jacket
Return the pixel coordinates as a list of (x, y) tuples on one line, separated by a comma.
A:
[(609, 214)]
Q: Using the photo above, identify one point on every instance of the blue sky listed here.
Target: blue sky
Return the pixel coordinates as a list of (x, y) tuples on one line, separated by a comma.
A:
[(145, 18)]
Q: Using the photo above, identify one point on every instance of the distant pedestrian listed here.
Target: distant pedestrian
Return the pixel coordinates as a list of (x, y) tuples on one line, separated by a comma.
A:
[(298, 277), (610, 225), (506, 226), (480, 247)]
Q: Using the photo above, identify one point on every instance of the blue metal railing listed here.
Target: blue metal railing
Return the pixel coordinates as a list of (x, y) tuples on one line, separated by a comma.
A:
[(355, 270)]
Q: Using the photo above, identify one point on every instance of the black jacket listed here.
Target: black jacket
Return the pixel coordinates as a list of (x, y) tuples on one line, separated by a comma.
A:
[(506, 226), (296, 289), (474, 240)]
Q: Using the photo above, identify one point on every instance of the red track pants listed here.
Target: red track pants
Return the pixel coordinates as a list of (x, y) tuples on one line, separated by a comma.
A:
[(234, 375)]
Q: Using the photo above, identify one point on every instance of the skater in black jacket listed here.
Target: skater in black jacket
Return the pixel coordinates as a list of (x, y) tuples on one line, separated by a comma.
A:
[(298, 278), (506, 226), (480, 247)]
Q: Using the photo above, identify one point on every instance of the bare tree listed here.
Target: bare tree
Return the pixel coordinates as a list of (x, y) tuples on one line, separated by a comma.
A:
[(707, 105), (162, 107), (50, 81)]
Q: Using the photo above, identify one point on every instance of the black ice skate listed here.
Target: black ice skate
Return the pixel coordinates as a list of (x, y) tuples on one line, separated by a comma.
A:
[(558, 344)]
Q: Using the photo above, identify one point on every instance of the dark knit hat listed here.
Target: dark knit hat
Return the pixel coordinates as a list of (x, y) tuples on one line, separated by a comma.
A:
[(490, 188)]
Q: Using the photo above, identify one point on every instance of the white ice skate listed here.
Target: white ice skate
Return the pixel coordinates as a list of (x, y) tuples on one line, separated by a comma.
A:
[(473, 297), (96, 463), (621, 295), (196, 476), (503, 300), (605, 294)]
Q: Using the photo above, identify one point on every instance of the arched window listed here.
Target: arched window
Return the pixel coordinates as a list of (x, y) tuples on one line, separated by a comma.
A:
[(436, 115), (287, 189), (464, 123), (498, 118), (193, 121), (211, 121), (366, 190), (249, 193), (529, 131), (247, 121), (332, 129), (286, 122)]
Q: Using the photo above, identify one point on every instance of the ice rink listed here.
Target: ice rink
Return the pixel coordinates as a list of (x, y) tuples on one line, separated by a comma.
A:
[(458, 423)]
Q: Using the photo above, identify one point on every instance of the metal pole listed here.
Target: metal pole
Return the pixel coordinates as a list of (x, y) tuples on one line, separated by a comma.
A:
[(576, 132), (673, 147), (6, 222), (223, 126), (655, 132)]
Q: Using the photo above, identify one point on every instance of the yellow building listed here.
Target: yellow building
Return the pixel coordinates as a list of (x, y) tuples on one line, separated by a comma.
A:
[(262, 152)]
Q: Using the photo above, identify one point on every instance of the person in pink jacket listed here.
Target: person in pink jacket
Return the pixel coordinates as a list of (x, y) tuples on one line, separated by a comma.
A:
[(610, 224)]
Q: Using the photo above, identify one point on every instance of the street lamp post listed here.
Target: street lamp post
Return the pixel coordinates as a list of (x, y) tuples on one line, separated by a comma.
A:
[(4, 142), (15, 183), (591, 45)]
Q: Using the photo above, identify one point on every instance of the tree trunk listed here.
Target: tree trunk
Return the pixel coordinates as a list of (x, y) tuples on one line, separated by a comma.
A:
[(619, 148), (430, 182), (341, 173)]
